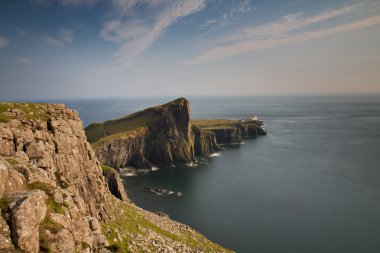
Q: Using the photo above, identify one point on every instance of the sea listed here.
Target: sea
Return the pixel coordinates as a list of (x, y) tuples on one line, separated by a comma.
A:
[(312, 185)]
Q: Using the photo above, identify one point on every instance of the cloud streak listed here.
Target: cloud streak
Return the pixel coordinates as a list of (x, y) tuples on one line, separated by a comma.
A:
[(63, 37), (64, 2), (77, 2), (283, 32), (4, 42), (136, 34), (242, 7), (23, 60)]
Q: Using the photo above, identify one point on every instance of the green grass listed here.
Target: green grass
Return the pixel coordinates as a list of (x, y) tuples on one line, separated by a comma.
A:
[(144, 118), (4, 206), (95, 132), (132, 220), (121, 135), (11, 161), (214, 123), (108, 169), (33, 111), (47, 188), (52, 226), (49, 224), (54, 207), (85, 245)]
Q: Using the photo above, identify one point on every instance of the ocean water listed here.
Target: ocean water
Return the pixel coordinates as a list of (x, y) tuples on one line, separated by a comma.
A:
[(311, 185)]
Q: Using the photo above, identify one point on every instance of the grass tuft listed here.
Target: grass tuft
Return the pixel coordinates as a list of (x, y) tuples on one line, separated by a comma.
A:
[(47, 188), (54, 207)]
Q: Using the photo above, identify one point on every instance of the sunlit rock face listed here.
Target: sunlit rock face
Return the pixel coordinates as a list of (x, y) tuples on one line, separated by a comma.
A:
[(56, 197)]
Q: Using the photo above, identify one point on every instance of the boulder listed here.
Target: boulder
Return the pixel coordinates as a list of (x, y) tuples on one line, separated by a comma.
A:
[(28, 209)]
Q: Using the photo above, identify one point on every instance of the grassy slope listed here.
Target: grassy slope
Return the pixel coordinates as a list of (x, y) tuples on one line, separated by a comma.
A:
[(133, 221), (31, 110), (213, 123), (115, 128)]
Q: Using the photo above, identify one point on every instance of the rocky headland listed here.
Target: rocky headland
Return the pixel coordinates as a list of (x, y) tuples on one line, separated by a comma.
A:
[(56, 197), (165, 135)]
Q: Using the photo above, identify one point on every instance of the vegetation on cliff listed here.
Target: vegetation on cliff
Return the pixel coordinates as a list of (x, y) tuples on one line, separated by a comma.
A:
[(118, 127), (157, 135), (56, 197), (165, 135)]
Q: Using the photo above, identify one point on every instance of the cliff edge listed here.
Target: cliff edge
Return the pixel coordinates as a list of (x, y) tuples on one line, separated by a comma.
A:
[(55, 196), (157, 135), (165, 135)]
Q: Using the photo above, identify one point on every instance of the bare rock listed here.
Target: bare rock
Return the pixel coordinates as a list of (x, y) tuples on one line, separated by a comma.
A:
[(6, 147), (94, 225), (35, 150), (5, 237), (10, 179), (28, 210), (62, 241), (6, 133)]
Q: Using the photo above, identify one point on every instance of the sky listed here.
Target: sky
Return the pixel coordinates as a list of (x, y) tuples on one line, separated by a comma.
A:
[(52, 49)]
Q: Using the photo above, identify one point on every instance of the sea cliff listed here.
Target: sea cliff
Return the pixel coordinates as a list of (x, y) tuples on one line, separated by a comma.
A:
[(56, 197), (165, 135)]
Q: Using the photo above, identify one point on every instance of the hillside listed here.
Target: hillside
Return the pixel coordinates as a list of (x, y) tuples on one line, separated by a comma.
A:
[(56, 197), (164, 135), (157, 135)]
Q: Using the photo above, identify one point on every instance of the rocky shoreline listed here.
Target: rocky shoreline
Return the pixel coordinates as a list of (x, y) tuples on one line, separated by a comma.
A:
[(165, 135)]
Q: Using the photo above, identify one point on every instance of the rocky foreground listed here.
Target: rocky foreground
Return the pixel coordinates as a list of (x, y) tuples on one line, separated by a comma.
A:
[(55, 196), (165, 135)]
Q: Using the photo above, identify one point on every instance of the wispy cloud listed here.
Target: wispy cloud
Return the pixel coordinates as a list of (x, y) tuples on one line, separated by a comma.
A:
[(209, 22), (64, 2), (287, 30), (77, 2), (242, 7), (135, 34), (23, 60), (4, 42), (21, 31), (63, 36)]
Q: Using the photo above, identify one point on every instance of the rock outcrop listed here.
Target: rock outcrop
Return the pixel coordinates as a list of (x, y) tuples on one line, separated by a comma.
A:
[(55, 197), (157, 135), (204, 142), (164, 135)]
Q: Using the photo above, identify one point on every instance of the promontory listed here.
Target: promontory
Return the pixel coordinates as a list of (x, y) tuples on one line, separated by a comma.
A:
[(165, 135)]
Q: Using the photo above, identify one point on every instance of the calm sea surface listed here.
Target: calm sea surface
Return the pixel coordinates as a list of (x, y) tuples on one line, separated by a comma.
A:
[(311, 185)]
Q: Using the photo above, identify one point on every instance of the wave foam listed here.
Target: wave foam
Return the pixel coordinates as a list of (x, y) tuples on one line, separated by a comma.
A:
[(154, 168), (216, 154)]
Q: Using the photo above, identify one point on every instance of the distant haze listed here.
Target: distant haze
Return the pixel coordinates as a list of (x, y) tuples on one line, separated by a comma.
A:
[(96, 48)]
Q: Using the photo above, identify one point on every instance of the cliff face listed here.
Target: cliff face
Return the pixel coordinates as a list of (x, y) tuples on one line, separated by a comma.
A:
[(165, 135), (51, 184), (157, 135), (229, 132), (204, 142), (55, 197)]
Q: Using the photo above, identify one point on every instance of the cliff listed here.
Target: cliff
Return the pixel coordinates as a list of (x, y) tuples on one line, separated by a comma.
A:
[(55, 196), (157, 135), (164, 135), (229, 132)]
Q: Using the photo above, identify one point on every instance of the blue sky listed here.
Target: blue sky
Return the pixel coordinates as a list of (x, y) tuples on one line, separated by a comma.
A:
[(119, 48)]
